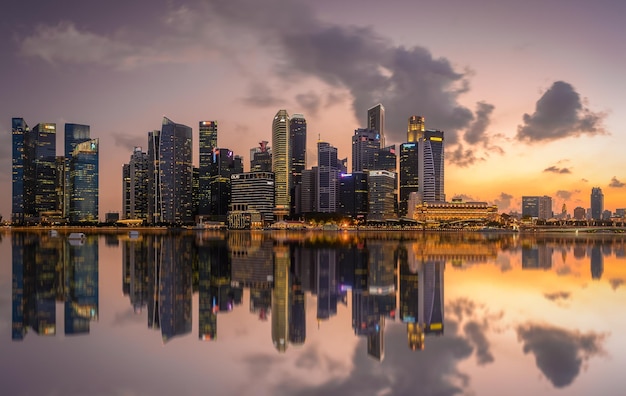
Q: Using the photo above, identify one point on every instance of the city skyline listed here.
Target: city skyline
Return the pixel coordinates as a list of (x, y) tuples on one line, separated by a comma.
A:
[(520, 117)]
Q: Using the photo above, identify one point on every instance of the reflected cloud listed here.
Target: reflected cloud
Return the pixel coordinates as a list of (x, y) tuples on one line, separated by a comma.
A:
[(616, 282), (559, 353), (560, 295)]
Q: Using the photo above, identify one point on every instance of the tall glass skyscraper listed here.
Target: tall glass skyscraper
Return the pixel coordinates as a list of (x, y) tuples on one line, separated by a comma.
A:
[(135, 186), (19, 136), (327, 178), (416, 128), (175, 173), (207, 142), (431, 166), (44, 167), (597, 203), (409, 180), (366, 144), (376, 121), (281, 158), (297, 142), (74, 134), (83, 176)]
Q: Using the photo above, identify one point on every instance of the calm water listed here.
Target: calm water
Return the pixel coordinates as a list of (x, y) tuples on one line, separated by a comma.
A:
[(307, 314)]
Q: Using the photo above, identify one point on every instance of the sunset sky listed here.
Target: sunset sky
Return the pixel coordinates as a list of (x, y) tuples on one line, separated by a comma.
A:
[(529, 94)]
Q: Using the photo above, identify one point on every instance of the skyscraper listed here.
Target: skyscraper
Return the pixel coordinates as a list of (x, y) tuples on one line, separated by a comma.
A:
[(74, 134), (409, 178), (261, 158), (328, 178), (597, 203), (44, 169), (207, 132), (297, 142), (254, 190), (537, 207), (20, 132), (281, 158), (154, 181), (376, 121), (83, 175), (416, 128), (135, 176), (223, 164), (175, 163), (431, 166), (365, 148), (381, 186), (353, 195)]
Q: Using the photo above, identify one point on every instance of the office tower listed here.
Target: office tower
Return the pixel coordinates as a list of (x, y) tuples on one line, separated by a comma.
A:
[(261, 158), (255, 191), (280, 298), (83, 176), (175, 163), (597, 203), (135, 187), (376, 121), (431, 166), (20, 136), (309, 190), (224, 164), (281, 156), (207, 136), (353, 195), (381, 186), (327, 178), (297, 143), (537, 207), (365, 148), (579, 213), (74, 134), (43, 164), (155, 215), (386, 159), (415, 129), (409, 178)]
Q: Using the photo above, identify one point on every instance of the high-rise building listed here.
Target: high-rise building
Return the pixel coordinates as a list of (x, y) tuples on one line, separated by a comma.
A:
[(297, 143), (409, 178), (431, 166), (175, 163), (381, 185), (281, 158), (261, 158), (328, 177), (254, 190), (155, 215), (537, 207), (579, 213), (44, 169), (353, 195), (365, 148), (83, 176), (74, 134), (135, 187), (223, 164), (309, 196), (376, 121), (207, 136), (20, 133), (597, 203), (415, 129)]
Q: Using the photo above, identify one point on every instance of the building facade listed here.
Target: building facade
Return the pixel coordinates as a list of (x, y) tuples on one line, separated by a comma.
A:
[(381, 186), (255, 191), (83, 176), (597, 203), (327, 177), (297, 142), (537, 207), (409, 178), (207, 141), (281, 156), (376, 121), (353, 195), (365, 147), (135, 186), (431, 166)]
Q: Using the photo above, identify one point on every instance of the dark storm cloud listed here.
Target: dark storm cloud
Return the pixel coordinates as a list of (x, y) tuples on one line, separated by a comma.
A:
[(559, 353), (615, 183), (503, 201), (261, 95), (462, 157), (464, 197), (559, 113), (566, 195), (558, 296), (128, 142), (476, 132), (432, 371), (475, 332), (556, 169)]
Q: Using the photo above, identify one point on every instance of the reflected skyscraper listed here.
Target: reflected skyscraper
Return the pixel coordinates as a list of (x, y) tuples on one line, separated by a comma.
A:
[(175, 289), (431, 282), (327, 290), (81, 285), (280, 298), (597, 262)]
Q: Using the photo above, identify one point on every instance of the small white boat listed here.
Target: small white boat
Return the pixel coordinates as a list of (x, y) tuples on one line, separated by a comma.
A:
[(76, 235)]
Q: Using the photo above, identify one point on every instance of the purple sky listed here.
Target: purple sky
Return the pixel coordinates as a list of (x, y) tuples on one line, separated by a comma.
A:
[(529, 94)]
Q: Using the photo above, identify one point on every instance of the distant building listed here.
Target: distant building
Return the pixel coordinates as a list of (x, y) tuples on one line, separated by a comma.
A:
[(376, 121), (83, 177), (597, 203), (281, 158), (207, 136), (327, 178), (135, 176), (297, 143), (537, 207), (579, 213), (365, 148), (446, 211), (353, 195), (409, 178), (415, 129), (431, 166), (309, 195), (255, 190), (261, 158)]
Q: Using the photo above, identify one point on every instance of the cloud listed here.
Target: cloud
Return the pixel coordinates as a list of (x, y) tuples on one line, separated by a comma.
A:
[(615, 183), (475, 332), (559, 114), (616, 282), (261, 95), (555, 169), (128, 142), (558, 296), (503, 201), (463, 157), (566, 195), (476, 131), (559, 353), (310, 102)]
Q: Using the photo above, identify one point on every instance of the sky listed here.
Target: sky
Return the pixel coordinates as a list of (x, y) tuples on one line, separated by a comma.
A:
[(527, 93)]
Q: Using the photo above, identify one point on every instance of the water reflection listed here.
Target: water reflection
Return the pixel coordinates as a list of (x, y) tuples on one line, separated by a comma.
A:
[(390, 285)]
